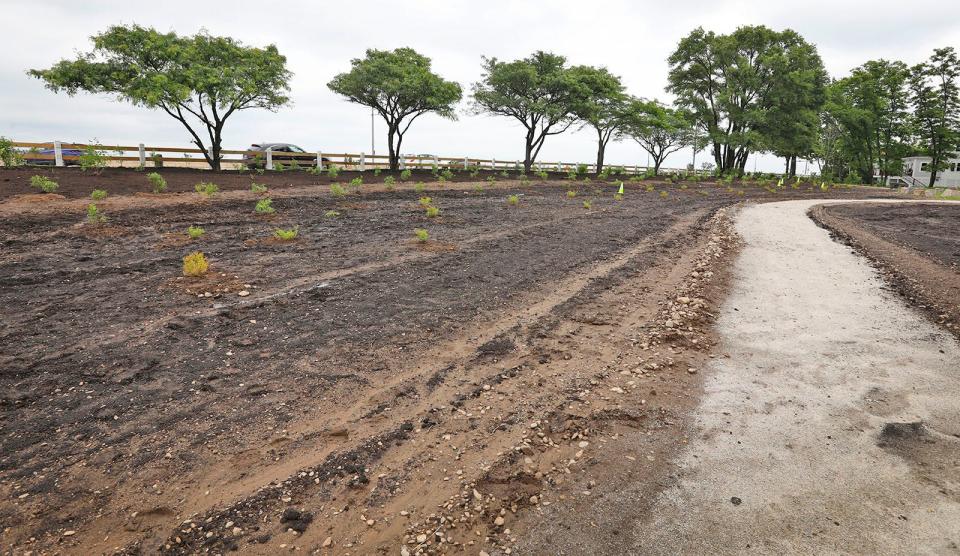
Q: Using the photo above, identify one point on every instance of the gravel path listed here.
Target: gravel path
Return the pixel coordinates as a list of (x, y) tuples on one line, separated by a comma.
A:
[(834, 424)]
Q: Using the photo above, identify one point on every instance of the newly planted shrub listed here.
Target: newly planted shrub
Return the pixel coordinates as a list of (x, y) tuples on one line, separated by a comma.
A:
[(571, 194), (286, 235), (542, 174), (195, 264), (337, 190), (92, 159), (356, 182), (376, 172), (333, 171), (389, 180), (513, 200), (422, 235), (405, 175), (419, 187), (618, 196), (207, 189), (264, 206), (572, 175), (582, 169), (587, 204), (433, 212), (94, 215), (492, 179), (664, 194), (258, 187), (425, 201), (9, 156), (446, 175), (157, 183), (195, 232), (331, 214), (98, 194), (44, 184)]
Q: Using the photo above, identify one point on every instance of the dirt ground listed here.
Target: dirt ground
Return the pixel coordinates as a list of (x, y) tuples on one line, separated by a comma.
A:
[(915, 245), (352, 391)]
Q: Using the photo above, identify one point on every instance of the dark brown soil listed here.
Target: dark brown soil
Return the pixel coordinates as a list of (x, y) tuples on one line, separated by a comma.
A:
[(915, 245), (352, 374)]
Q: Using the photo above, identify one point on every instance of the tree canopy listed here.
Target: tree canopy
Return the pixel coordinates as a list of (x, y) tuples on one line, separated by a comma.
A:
[(199, 80), (936, 101), (600, 105), (658, 129), (742, 87), (538, 91), (401, 87)]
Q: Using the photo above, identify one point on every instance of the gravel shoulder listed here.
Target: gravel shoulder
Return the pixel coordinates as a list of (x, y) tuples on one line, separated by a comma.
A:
[(831, 422)]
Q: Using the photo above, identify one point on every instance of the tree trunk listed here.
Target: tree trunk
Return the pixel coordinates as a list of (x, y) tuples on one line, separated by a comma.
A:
[(600, 148), (391, 150), (528, 151), (793, 166)]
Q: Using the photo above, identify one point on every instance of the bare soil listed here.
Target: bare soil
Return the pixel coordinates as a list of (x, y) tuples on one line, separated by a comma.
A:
[(352, 391), (915, 245)]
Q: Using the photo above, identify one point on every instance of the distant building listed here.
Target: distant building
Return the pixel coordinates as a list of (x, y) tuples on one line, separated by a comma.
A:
[(916, 172)]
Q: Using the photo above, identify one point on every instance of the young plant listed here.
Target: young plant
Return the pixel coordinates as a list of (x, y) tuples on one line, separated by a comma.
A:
[(425, 201), (157, 160), (258, 187), (157, 183), (356, 182), (333, 171), (542, 174), (405, 175), (582, 169), (504, 174), (92, 159), (195, 264), (422, 235), (207, 189), (419, 187), (446, 175), (433, 212), (286, 235), (492, 179), (9, 156), (474, 173), (195, 232), (94, 215), (331, 214), (572, 175), (98, 194), (389, 181), (337, 190), (571, 194), (618, 196), (664, 194), (478, 187), (264, 206), (513, 200), (376, 172), (44, 184), (587, 204)]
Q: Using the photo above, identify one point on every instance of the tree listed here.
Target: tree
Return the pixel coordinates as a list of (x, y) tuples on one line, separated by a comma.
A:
[(732, 86), (936, 104), (602, 106), (539, 91), (400, 86), (199, 78), (660, 130)]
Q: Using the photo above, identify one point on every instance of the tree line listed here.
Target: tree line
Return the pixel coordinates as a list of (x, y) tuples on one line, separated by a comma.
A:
[(754, 90)]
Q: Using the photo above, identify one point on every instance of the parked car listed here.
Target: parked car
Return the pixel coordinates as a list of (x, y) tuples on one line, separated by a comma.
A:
[(29, 157), (281, 152)]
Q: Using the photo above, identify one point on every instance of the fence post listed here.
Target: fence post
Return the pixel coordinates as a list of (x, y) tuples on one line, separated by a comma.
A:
[(558, 167), (363, 162), (143, 156), (436, 161), (466, 163), (58, 153), (269, 165), (402, 163), (493, 164), (319, 161)]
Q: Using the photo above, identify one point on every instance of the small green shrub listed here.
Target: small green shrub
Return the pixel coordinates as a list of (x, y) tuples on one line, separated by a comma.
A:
[(44, 184), (513, 200), (9, 156), (333, 171), (195, 232), (419, 187), (98, 194), (389, 180), (425, 201), (195, 264), (337, 190), (571, 194), (572, 175), (542, 174), (356, 182), (504, 174), (207, 189), (422, 235), (157, 160), (92, 159), (405, 175), (331, 214), (446, 175), (664, 194), (376, 172), (264, 206), (582, 169), (286, 235), (432, 212), (94, 215), (157, 183), (258, 187), (617, 196), (587, 204)]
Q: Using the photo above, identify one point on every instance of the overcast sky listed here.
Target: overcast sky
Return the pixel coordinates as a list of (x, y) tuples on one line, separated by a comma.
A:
[(632, 39)]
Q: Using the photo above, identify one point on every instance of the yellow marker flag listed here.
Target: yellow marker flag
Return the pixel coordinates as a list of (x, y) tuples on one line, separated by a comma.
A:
[(621, 189)]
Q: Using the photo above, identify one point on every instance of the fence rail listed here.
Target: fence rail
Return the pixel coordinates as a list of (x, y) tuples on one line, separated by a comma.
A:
[(270, 159)]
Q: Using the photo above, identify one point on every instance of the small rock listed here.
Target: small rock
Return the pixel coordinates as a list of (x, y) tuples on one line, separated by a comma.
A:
[(736, 501), (327, 542), (69, 533), (499, 521), (243, 293), (422, 538)]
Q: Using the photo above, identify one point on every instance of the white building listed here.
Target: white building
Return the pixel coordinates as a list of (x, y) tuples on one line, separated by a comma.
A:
[(916, 172)]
